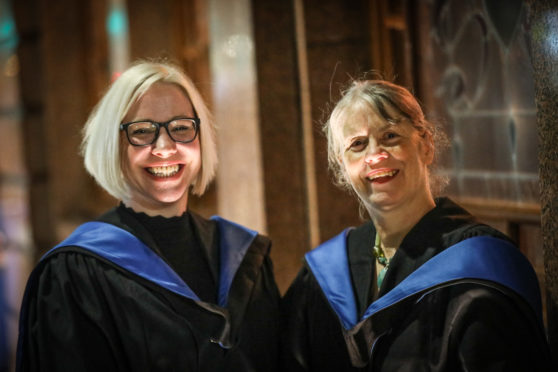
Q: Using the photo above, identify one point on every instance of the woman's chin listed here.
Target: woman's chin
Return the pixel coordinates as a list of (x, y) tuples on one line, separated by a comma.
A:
[(381, 203)]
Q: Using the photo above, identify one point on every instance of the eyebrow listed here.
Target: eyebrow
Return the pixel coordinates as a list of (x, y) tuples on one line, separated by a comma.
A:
[(386, 126)]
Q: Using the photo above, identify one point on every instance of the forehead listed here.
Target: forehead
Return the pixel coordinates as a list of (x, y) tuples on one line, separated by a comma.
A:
[(160, 102), (361, 119), (365, 121)]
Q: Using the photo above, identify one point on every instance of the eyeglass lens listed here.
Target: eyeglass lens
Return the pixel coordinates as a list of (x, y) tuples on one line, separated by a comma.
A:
[(143, 133)]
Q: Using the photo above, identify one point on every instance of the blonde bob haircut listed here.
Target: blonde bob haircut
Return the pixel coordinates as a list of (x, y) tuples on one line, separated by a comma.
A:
[(367, 96), (101, 134)]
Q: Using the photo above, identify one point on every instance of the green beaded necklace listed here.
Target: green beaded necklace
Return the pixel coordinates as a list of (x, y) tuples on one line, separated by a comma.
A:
[(381, 258)]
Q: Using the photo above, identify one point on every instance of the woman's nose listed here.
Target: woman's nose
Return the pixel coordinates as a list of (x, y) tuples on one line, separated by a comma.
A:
[(376, 156), (164, 146)]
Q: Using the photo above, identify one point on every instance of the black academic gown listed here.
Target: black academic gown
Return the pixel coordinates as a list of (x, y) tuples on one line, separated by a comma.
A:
[(463, 325), (83, 312)]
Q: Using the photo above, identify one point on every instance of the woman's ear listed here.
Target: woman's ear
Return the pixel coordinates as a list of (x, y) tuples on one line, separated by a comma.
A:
[(427, 147)]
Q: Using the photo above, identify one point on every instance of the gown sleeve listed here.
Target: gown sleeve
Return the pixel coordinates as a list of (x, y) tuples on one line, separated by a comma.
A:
[(66, 326), (497, 333)]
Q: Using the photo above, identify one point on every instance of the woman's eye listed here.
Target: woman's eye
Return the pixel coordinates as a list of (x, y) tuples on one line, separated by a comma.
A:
[(140, 131), (390, 136), (182, 128), (358, 145)]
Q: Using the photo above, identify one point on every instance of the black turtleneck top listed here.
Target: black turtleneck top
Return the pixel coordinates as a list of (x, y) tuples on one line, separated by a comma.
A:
[(178, 243)]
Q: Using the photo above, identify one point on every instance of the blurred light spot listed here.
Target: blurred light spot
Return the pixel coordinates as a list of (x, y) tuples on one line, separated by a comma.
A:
[(8, 35), (7, 28), (237, 45), (115, 75), (117, 23), (11, 67), (552, 36)]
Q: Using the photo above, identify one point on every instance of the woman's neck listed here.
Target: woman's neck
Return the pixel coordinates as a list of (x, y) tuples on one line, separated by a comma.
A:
[(394, 225), (169, 210)]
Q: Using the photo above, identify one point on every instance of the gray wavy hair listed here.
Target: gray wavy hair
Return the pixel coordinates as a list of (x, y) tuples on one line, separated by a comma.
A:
[(366, 96)]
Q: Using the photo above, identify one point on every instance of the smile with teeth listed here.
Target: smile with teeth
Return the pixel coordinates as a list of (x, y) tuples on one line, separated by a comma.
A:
[(382, 174), (164, 171)]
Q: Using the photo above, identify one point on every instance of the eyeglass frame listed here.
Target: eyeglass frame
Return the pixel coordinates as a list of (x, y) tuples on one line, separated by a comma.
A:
[(158, 125)]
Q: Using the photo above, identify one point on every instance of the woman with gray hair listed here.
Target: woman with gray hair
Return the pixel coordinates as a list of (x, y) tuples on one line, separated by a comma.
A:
[(421, 286), (151, 285)]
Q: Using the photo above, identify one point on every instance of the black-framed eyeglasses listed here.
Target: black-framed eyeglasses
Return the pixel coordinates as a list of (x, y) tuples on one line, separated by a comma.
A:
[(145, 132)]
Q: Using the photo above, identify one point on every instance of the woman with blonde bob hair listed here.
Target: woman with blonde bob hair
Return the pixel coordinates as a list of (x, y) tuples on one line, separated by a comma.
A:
[(101, 140), (420, 286), (151, 285)]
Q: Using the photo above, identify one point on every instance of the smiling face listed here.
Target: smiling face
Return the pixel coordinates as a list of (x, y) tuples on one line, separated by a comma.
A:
[(385, 163), (159, 175)]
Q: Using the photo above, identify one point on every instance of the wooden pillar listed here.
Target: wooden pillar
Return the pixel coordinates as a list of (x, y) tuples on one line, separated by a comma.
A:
[(59, 64), (544, 35), (280, 117), (337, 51), (151, 26), (28, 20)]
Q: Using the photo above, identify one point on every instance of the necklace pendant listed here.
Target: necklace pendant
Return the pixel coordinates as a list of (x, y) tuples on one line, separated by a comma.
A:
[(381, 276)]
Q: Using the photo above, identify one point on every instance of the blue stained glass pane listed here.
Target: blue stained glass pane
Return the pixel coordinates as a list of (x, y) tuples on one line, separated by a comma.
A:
[(480, 68)]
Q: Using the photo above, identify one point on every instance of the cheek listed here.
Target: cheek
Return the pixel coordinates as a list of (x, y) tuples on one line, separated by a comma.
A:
[(191, 151), (130, 157), (352, 172), (126, 155), (125, 160), (353, 160)]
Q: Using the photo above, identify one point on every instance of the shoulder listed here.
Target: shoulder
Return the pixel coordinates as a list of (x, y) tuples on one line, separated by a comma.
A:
[(452, 223), (472, 230), (69, 272), (91, 249), (71, 261), (473, 298)]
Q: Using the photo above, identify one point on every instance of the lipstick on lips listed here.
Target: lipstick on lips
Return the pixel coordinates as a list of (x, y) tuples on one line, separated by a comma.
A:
[(381, 175)]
